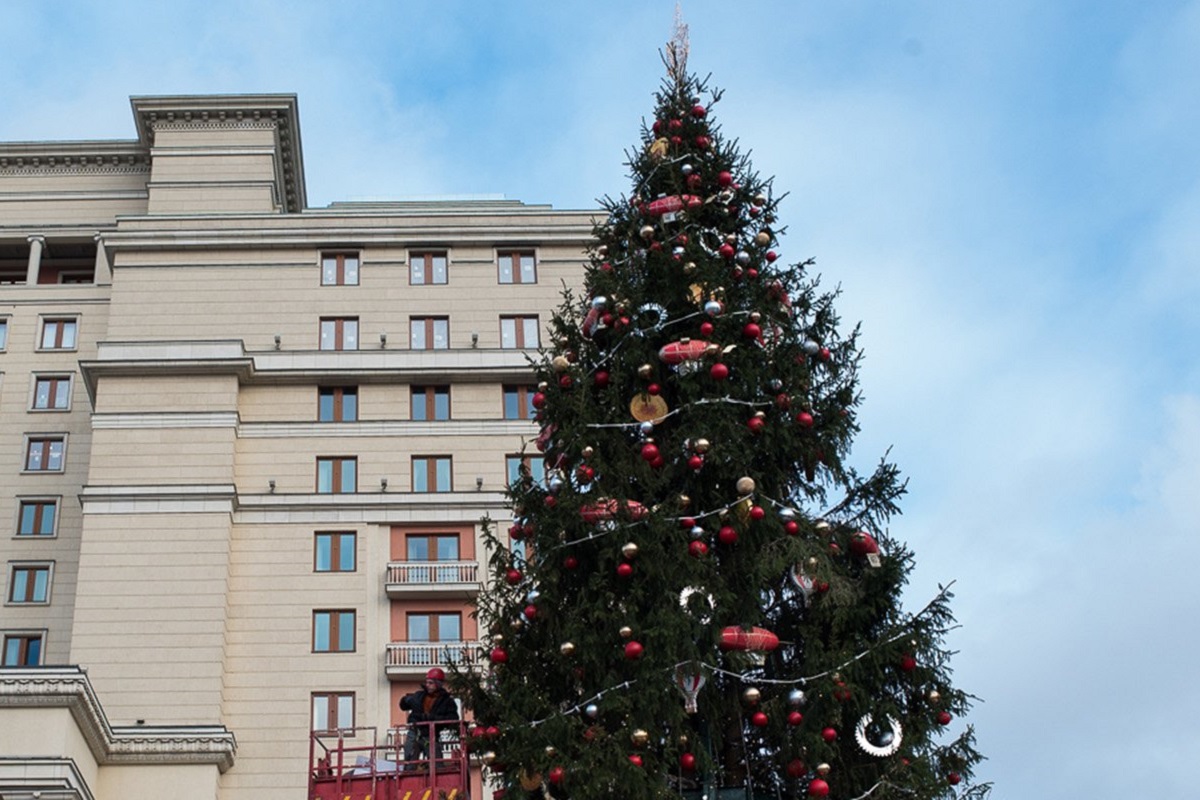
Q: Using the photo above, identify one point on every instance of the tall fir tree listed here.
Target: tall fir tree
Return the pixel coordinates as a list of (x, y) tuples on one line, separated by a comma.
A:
[(699, 595)]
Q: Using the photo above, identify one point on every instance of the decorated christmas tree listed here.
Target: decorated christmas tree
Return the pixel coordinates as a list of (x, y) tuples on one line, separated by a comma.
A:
[(697, 594)]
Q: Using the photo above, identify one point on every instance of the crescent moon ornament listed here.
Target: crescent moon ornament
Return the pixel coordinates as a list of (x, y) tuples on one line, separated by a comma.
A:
[(651, 317), (879, 751)]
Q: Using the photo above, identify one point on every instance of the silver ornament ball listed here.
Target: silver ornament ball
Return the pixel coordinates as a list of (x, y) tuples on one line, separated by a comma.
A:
[(796, 697), (811, 347), (592, 710), (646, 428), (686, 169), (712, 308), (599, 302)]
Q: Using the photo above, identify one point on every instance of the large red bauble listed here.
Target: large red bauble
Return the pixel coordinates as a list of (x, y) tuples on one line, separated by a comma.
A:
[(654, 388), (657, 126), (687, 523), (727, 535), (805, 419), (944, 718), (513, 577), (675, 124), (719, 372), (601, 379), (699, 111), (759, 720), (556, 775), (624, 569), (791, 527), (726, 251), (636, 760), (687, 761), (703, 142), (676, 140), (818, 788), (795, 718), (530, 611), (771, 256), (570, 562), (908, 663), (829, 734), (549, 501), (539, 399), (706, 329), (757, 513), (953, 778), (795, 768), (695, 463), (498, 655), (863, 544), (649, 451), (697, 549), (491, 731), (756, 424), (752, 330), (725, 178), (633, 650)]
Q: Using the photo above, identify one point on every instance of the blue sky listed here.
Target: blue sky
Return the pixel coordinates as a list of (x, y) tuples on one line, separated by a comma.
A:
[(1008, 193)]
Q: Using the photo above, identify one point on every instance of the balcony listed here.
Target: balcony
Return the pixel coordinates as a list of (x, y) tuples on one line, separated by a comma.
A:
[(407, 660), (432, 579)]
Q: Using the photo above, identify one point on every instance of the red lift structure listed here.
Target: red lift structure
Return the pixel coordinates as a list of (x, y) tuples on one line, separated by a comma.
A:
[(352, 764)]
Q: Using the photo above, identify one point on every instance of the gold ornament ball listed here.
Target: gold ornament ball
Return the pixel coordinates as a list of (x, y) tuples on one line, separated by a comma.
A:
[(489, 757), (755, 316), (625, 631), (551, 750), (560, 363), (639, 738), (762, 238), (647, 232), (629, 550), (684, 501), (689, 268), (812, 562), (588, 451), (751, 696), (497, 637), (684, 741), (745, 485), (731, 238), (566, 648), (822, 526), (759, 200), (702, 446), (645, 370), (543, 386), (934, 696), (823, 769)]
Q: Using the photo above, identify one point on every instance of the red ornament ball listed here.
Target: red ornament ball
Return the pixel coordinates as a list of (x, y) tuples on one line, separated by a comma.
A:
[(565, 381), (725, 178), (771, 256), (687, 523), (624, 569), (513, 577), (795, 718), (654, 388), (658, 462), (585, 474), (825, 354), (549, 501), (697, 549), (498, 655), (649, 451), (687, 762), (751, 273), (570, 562), (759, 719), (727, 535), (676, 140), (795, 768), (539, 400), (605, 267), (783, 401), (829, 734), (556, 775), (600, 379), (491, 731), (726, 251), (706, 329), (908, 663), (675, 124), (818, 788), (699, 111), (791, 527), (530, 611), (752, 330), (695, 180), (944, 718), (703, 142), (718, 372), (757, 513), (633, 650), (694, 464), (805, 419), (636, 760), (953, 778), (756, 424)]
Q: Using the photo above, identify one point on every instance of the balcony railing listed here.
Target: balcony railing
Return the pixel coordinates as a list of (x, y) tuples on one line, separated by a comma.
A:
[(412, 659), (432, 578)]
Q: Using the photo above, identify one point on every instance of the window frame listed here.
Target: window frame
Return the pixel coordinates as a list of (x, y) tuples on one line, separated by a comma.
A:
[(428, 267), (336, 542), (339, 276), (338, 408), (331, 711), (46, 441), (428, 328), (516, 269), (430, 468), (524, 397), (335, 621), (434, 621), (338, 334), (25, 637), (39, 504), (55, 380), (523, 462), (430, 394), (32, 568), (431, 547), (337, 464), (4, 332), (519, 323), (58, 346)]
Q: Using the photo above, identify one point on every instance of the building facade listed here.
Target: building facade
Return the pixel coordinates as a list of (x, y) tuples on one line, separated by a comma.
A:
[(246, 447)]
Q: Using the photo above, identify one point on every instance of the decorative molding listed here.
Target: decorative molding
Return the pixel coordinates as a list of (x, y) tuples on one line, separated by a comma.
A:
[(69, 687), (375, 428), (167, 419), (42, 778)]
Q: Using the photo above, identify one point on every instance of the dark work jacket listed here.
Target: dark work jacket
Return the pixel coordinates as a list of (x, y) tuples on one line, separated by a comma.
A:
[(443, 707)]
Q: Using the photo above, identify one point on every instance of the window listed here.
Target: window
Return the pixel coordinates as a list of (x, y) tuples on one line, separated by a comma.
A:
[(22, 650), (335, 552), (518, 402), (37, 517), (337, 403), (3, 333), (435, 627), (339, 333), (59, 334), (518, 332), (337, 475), (431, 473), (333, 631), (430, 333), (427, 268), (29, 583), (339, 269), (45, 454), (517, 466), (517, 266), (432, 547), (430, 403), (332, 710), (52, 393)]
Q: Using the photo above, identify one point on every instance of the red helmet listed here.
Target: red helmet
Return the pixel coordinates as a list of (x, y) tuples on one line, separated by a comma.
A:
[(435, 674)]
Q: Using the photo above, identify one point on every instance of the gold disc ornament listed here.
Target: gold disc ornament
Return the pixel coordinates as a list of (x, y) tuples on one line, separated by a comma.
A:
[(648, 407)]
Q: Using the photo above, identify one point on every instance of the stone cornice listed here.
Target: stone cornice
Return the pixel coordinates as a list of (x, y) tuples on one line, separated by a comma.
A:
[(69, 687), (74, 158), (278, 112)]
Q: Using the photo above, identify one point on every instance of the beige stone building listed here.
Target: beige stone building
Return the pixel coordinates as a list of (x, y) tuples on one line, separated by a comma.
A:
[(245, 447)]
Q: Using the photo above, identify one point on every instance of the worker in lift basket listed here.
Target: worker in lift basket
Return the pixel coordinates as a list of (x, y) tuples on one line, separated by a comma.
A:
[(429, 704)]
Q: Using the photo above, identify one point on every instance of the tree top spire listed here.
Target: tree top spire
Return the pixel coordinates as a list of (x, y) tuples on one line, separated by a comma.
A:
[(677, 48)]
